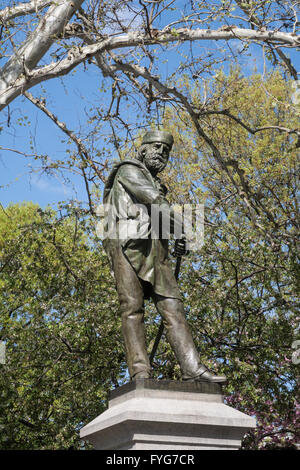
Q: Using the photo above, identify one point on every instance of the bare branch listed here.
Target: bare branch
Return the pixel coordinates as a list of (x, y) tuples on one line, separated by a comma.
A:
[(288, 63), (77, 55), (255, 21), (225, 112), (34, 48), (82, 150), (23, 9)]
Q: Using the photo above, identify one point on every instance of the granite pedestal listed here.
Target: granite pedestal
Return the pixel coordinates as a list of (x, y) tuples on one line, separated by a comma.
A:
[(150, 414)]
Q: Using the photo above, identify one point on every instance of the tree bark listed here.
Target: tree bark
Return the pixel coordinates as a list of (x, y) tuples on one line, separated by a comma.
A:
[(23, 9), (16, 75), (34, 48)]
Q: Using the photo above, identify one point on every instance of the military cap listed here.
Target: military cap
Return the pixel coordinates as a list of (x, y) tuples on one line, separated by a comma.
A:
[(158, 136)]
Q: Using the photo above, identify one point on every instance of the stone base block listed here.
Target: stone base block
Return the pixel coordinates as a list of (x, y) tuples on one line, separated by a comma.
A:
[(149, 414)]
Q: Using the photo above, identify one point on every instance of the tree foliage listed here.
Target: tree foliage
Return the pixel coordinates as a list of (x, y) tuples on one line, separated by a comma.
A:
[(59, 312), (242, 287), (187, 66), (60, 325)]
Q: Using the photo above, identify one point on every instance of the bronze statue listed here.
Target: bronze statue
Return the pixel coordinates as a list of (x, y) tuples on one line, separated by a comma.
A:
[(141, 267)]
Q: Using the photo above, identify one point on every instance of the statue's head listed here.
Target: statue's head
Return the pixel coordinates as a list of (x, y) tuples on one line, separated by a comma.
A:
[(155, 150)]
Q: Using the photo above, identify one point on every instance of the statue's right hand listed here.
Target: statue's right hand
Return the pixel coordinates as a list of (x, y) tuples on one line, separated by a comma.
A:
[(180, 248)]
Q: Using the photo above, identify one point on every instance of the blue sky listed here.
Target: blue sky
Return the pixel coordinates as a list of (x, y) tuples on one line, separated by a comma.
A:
[(46, 138), (69, 98)]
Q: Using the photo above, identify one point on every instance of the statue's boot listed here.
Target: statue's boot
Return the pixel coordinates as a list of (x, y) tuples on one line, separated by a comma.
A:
[(141, 375), (205, 376), (179, 336)]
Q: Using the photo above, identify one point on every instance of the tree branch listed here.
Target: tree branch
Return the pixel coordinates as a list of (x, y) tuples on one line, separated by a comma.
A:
[(249, 10), (82, 150), (12, 88), (225, 112), (18, 67), (23, 9)]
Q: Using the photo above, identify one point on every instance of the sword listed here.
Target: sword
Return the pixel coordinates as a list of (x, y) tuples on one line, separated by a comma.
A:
[(161, 326)]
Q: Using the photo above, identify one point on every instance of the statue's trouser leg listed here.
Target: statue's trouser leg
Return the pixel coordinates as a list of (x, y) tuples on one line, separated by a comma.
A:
[(179, 335), (131, 298), (134, 335)]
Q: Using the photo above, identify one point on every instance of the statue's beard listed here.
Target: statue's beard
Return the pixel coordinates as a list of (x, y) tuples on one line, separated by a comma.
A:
[(154, 162)]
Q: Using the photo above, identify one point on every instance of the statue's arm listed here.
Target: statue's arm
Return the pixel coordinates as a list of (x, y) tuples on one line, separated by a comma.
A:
[(144, 192), (137, 184)]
